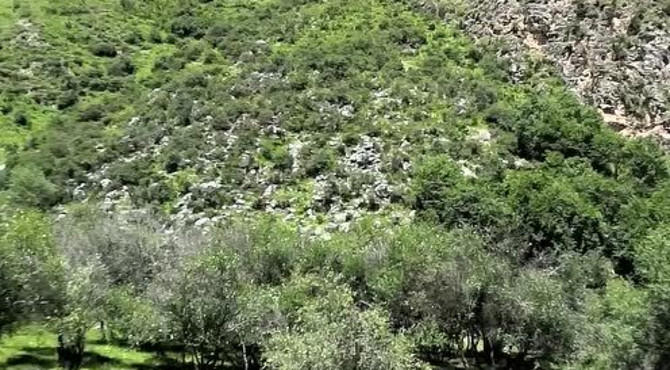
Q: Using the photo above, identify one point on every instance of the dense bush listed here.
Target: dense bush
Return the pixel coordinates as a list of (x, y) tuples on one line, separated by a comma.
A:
[(121, 67), (28, 186), (104, 49), (188, 26), (445, 194)]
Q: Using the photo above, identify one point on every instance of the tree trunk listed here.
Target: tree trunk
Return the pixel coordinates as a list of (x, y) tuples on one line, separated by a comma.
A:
[(489, 350), (244, 355), (474, 341), (102, 331), (70, 353)]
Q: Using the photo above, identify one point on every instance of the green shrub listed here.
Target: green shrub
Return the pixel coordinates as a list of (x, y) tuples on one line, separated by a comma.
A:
[(68, 99), (556, 122), (645, 161), (155, 36), (168, 62), (130, 173), (191, 51), (92, 113), (121, 66), (319, 161), (133, 37), (442, 192), (652, 257), (127, 5), (21, 119), (553, 214), (104, 49), (188, 26), (28, 186)]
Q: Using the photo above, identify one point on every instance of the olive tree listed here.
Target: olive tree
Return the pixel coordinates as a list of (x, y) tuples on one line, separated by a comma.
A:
[(105, 255), (31, 271), (324, 329), (202, 306)]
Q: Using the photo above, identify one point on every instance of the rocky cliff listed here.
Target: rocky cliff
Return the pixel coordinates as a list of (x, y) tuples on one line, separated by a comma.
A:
[(615, 54)]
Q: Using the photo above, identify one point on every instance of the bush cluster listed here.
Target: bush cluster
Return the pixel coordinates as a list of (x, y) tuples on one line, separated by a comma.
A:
[(259, 294)]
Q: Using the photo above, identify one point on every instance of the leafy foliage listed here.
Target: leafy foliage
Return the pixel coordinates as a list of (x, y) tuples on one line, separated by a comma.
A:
[(31, 273)]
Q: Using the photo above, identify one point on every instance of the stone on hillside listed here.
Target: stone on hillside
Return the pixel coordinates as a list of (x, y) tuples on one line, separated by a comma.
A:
[(245, 161), (481, 135), (203, 222), (105, 183)]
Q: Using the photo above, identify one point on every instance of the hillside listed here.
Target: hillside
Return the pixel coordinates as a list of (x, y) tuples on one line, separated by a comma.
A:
[(282, 109), (394, 184), (217, 102), (612, 53)]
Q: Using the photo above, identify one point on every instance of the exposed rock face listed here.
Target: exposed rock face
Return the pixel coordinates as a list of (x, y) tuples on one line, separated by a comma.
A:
[(615, 54)]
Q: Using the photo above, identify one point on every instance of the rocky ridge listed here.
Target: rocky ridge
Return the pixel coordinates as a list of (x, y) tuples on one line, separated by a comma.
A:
[(615, 54)]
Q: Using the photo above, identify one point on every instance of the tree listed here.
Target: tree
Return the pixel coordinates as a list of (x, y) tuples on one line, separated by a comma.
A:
[(439, 282), (552, 213), (612, 337), (106, 256), (531, 313), (652, 257), (126, 250), (202, 307), (84, 307), (325, 330), (442, 191), (31, 271)]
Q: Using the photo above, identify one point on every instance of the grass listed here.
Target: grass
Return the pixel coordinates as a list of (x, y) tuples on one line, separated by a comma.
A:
[(35, 348)]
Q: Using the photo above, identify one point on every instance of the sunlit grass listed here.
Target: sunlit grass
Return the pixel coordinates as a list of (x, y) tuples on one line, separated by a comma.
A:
[(35, 348)]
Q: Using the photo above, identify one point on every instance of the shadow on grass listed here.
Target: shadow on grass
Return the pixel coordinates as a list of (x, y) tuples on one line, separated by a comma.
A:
[(41, 351), (163, 363), (27, 359), (95, 359), (45, 357)]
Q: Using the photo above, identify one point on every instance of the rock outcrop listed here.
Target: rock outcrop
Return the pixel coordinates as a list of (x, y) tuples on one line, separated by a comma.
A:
[(615, 54)]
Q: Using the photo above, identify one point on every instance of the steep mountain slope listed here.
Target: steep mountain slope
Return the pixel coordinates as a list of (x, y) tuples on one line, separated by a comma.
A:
[(614, 54), (313, 111)]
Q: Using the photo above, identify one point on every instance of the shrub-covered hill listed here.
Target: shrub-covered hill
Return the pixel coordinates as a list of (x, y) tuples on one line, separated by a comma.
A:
[(315, 111), (537, 237)]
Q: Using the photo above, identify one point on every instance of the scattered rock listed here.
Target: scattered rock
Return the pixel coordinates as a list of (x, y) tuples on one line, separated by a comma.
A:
[(105, 183), (481, 135), (203, 222)]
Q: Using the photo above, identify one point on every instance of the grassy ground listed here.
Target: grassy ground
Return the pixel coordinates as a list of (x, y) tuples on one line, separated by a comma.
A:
[(35, 348)]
